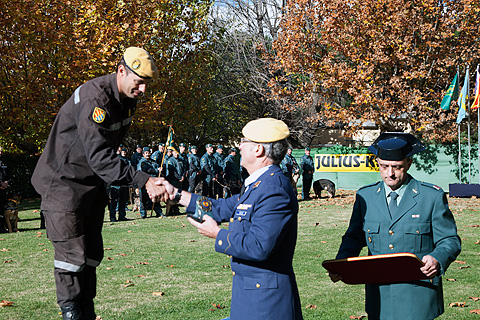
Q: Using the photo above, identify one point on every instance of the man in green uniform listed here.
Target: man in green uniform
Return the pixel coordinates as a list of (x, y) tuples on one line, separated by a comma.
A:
[(306, 163), (147, 165), (157, 156), (183, 160), (194, 170), (401, 214), (219, 169), (232, 174), (209, 173)]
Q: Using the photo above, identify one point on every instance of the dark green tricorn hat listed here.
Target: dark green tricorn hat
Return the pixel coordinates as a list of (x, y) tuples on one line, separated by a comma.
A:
[(396, 146)]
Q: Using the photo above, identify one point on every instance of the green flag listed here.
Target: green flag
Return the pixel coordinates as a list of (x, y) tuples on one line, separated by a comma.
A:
[(452, 94)]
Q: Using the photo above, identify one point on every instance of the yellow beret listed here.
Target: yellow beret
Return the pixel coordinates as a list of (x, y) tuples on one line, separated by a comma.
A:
[(140, 62), (266, 130)]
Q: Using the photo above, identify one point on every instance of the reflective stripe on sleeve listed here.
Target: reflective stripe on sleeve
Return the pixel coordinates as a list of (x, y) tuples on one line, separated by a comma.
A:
[(76, 95), (67, 266)]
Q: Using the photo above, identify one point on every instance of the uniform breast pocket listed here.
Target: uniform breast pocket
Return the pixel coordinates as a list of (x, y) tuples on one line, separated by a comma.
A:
[(418, 237), (261, 282), (372, 236), (242, 219)]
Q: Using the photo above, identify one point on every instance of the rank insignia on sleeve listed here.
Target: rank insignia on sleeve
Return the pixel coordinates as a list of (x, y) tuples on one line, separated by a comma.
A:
[(98, 115), (256, 184)]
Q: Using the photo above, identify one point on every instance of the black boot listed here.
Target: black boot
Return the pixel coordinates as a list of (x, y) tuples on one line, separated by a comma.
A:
[(88, 311), (72, 312)]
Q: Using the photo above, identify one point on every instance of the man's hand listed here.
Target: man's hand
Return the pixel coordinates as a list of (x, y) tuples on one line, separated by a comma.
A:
[(208, 228), (169, 189), (335, 276), (431, 267), (156, 192)]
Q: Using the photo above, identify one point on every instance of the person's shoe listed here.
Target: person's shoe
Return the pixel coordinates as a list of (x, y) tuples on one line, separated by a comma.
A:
[(72, 312), (123, 219)]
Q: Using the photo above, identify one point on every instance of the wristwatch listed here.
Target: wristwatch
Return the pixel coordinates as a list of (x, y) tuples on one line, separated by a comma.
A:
[(178, 195)]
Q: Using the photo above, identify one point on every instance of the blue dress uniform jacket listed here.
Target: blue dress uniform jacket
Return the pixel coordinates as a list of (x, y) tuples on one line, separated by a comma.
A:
[(423, 225), (261, 239)]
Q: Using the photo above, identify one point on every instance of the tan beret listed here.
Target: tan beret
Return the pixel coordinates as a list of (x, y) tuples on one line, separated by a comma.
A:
[(140, 62), (266, 130)]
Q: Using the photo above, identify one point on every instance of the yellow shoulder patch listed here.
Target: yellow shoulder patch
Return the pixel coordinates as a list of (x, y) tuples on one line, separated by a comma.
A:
[(98, 115)]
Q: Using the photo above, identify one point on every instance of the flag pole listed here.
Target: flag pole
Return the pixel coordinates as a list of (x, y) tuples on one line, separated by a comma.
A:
[(468, 128), (459, 156), (459, 145)]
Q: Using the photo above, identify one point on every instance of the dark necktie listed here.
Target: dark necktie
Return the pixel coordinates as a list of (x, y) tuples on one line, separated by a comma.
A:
[(242, 190), (392, 207)]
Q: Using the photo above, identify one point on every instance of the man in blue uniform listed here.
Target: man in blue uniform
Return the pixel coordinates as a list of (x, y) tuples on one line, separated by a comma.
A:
[(262, 229), (136, 156), (78, 160), (306, 163), (402, 214)]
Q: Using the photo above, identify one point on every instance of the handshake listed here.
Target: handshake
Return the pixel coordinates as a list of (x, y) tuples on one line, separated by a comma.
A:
[(160, 190)]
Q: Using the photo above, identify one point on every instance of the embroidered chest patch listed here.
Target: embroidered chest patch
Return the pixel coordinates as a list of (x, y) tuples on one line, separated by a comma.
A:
[(98, 115), (244, 206)]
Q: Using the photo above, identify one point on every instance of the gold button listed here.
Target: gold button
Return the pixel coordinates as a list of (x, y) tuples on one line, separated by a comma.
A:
[(239, 218), (233, 272), (418, 231), (257, 285), (368, 230), (390, 246), (369, 239), (231, 219), (220, 242), (390, 232)]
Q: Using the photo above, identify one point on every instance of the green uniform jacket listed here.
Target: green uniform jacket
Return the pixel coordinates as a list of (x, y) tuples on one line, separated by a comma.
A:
[(208, 165), (424, 225)]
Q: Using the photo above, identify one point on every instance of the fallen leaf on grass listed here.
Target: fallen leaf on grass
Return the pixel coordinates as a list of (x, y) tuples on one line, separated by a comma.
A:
[(131, 284), (109, 268), (474, 298), (477, 311), (460, 261), (140, 276), (357, 317), (104, 249), (311, 306), (158, 293), (144, 263), (478, 242), (122, 254), (45, 249), (317, 223), (216, 306), (109, 258), (450, 279), (6, 303), (5, 250), (171, 266), (41, 244), (7, 261), (129, 266), (323, 241), (129, 231), (473, 226), (2, 239), (192, 240), (460, 304), (465, 267), (225, 266)]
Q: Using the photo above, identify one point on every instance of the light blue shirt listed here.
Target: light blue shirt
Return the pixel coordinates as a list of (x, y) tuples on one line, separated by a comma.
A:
[(254, 176), (400, 191)]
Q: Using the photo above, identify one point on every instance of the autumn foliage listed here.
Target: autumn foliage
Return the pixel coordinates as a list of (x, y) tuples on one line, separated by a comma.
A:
[(54, 46), (387, 61)]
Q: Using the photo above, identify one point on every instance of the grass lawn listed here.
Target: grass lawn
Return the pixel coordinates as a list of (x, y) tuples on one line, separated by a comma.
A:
[(164, 269)]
